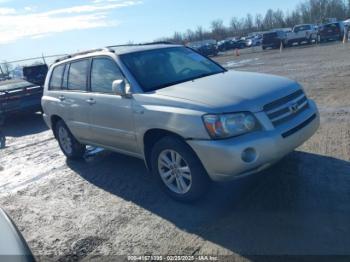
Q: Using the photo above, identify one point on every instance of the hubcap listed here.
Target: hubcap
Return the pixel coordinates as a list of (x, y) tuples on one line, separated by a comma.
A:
[(65, 140), (174, 171)]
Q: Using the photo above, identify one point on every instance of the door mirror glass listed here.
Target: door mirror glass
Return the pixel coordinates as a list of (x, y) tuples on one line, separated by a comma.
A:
[(119, 87)]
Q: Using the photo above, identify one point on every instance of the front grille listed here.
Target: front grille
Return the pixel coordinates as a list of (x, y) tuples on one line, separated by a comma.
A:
[(286, 108)]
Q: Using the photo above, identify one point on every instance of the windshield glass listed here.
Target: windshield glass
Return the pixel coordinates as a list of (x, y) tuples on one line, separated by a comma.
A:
[(302, 28), (159, 68)]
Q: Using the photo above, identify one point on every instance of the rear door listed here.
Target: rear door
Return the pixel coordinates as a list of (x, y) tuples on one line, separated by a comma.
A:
[(73, 98), (111, 116)]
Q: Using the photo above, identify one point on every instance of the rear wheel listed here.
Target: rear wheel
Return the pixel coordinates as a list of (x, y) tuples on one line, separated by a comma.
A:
[(178, 169), (68, 144)]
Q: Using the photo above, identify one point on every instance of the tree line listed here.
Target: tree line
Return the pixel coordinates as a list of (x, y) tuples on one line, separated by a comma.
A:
[(309, 11)]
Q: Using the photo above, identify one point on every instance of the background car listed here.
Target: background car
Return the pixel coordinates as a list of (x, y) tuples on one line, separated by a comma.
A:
[(13, 247), (331, 31), (231, 43), (273, 39), (254, 40), (19, 96), (301, 33), (206, 47)]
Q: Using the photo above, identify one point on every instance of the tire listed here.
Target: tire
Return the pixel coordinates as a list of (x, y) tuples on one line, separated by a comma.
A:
[(185, 186), (70, 147)]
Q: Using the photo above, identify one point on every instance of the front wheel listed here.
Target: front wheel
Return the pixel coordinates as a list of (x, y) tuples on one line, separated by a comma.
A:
[(178, 169), (68, 143)]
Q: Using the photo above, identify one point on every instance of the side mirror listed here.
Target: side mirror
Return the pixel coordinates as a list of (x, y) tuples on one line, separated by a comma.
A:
[(119, 87)]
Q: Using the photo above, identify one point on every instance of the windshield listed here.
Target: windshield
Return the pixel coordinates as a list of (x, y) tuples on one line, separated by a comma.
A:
[(302, 28), (159, 68)]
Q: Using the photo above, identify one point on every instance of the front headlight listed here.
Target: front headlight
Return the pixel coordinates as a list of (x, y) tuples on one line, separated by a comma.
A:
[(229, 125)]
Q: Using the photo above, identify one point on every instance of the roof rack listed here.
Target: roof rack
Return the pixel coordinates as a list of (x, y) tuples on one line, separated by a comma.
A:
[(109, 49), (150, 43), (84, 53)]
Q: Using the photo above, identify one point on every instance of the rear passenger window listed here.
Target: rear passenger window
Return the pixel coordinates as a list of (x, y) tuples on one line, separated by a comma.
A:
[(104, 71), (56, 78), (77, 79)]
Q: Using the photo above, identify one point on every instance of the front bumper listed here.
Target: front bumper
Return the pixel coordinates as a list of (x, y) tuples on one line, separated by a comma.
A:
[(223, 159)]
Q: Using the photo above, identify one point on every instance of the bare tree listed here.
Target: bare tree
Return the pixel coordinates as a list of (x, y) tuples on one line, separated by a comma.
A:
[(6, 68), (218, 29), (248, 23), (199, 33), (177, 38), (259, 22), (268, 20), (308, 11)]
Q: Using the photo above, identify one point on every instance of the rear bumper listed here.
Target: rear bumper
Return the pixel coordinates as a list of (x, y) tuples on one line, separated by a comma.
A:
[(47, 120), (226, 159), (330, 37)]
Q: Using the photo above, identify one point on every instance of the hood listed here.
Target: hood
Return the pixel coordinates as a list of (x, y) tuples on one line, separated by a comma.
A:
[(233, 90)]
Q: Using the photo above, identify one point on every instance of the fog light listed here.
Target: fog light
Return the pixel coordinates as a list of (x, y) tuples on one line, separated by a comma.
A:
[(249, 155)]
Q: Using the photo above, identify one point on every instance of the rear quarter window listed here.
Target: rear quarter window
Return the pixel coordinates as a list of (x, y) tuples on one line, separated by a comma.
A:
[(56, 78)]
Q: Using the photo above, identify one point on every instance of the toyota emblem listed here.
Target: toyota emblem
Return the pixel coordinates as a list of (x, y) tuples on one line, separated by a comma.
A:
[(293, 108)]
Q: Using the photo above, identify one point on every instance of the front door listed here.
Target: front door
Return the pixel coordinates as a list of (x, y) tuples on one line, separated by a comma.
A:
[(110, 116)]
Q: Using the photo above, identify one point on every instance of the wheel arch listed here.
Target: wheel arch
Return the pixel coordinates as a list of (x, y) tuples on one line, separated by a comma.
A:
[(150, 138), (54, 120)]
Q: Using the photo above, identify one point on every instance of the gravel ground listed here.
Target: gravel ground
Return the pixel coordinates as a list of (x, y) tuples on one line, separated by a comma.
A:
[(109, 205)]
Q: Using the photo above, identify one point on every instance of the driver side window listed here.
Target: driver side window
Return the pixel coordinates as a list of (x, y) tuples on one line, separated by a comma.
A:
[(103, 72)]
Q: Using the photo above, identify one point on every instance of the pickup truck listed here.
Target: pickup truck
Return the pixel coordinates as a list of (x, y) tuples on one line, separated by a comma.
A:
[(19, 96), (301, 33)]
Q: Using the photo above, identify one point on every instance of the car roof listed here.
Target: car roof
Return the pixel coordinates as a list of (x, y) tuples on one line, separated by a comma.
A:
[(304, 25), (331, 23), (118, 50)]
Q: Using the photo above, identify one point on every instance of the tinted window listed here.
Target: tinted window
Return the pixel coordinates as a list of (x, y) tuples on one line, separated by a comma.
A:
[(77, 79), (164, 67), (103, 72), (56, 78)]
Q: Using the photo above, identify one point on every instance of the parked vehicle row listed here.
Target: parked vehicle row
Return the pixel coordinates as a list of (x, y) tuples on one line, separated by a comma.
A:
[(231, 43), (206, 47), (305, 33)]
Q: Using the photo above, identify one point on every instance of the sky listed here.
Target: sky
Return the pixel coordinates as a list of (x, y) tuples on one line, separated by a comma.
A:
[(30, 28)]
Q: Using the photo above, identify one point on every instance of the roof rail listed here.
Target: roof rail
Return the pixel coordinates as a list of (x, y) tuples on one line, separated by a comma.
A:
[(140, 44), (84, 53)]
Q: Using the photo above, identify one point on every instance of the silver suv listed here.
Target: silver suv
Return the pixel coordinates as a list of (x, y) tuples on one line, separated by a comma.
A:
[(188, 118)]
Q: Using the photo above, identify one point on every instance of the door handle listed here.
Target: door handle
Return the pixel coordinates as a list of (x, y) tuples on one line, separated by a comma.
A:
[(62, 98), (90, 101)]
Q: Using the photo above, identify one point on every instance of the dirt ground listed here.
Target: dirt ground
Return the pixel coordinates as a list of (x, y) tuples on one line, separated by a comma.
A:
[(109, 205)]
